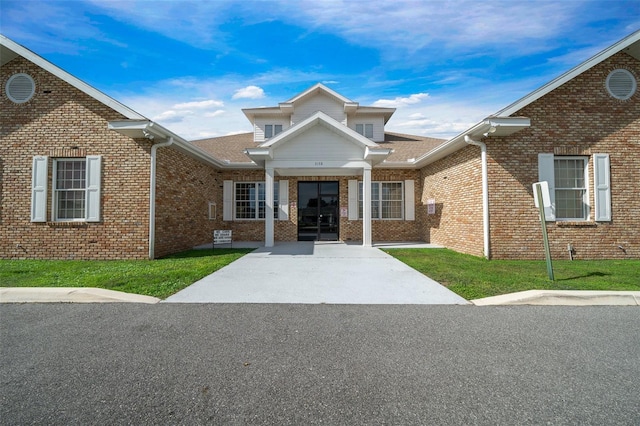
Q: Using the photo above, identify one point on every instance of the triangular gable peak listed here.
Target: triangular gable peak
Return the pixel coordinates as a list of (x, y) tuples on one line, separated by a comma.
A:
[(629, 44), (10, 50), (269, 121), (318, 143)]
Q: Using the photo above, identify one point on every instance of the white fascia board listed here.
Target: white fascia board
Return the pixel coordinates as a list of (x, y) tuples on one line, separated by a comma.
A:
[(376, 156), (319, 118), (569, 75), (491, 126), (252, 113), (320, 87), (68, 78), (148, 129)]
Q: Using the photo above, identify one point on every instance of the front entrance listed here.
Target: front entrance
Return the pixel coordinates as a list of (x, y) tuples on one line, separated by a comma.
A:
[(318, 211)]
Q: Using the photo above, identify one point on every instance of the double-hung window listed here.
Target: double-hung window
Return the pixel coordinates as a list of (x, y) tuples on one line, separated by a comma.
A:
[(271, 130), (250, 200), (365, 130), (572, 198), (69, 189), (569, 190), (75, 186), (387, 200)]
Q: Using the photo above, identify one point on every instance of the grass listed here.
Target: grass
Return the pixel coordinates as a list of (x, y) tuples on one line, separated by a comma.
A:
[(474, 277), (160, 278)]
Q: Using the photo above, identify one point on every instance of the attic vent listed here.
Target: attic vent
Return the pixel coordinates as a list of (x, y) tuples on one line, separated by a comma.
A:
[(621, 84), (20, 88)]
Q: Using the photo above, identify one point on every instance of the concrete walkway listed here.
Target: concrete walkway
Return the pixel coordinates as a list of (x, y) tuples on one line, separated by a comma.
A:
[(317, 272)]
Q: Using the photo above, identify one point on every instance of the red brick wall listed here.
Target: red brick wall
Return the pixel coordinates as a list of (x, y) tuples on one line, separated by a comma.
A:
[(455, 183), (579, 118), (58, 118), (184, 188)]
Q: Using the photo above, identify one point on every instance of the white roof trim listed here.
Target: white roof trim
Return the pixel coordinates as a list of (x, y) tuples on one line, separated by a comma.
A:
[(322, 87), (574, 72), (319, 118), (153, 131), (68, 78)]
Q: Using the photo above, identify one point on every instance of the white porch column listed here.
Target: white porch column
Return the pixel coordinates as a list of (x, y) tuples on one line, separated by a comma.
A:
[(268, 220), (366, 207)]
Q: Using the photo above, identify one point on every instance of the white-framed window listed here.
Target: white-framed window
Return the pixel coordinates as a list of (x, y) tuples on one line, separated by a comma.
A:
[(250, 200), (69, 189), (271, 130), (387, 200), (569, 190), (365, 129), (75, 185)]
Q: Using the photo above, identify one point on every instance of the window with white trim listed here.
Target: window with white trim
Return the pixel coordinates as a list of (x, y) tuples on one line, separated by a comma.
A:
[(387, 200), (571, 189), (250, 200), (69, 189), (271, 130), (365, 130), (75, 185)]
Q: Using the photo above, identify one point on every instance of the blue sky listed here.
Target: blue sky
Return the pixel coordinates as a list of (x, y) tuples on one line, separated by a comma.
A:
[(192, 66)]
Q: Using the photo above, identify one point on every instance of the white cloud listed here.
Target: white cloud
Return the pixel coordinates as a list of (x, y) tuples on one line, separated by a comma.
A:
[(400, 101), (199, 104), (214, 113), (169, 116), (249, 92)]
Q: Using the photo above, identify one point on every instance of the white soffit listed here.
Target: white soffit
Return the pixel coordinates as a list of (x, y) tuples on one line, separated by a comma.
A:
[(16, 50)]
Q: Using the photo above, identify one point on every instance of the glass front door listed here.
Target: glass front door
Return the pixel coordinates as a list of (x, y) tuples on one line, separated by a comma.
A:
[(318, 211)]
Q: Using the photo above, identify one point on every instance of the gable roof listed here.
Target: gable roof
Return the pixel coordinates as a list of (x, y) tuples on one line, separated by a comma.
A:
[(502, 123), (10, 50), (631, 44)]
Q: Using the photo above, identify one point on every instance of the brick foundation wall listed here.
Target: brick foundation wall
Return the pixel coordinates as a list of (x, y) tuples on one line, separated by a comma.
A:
[(382, 230), (62, 121), (578, 118), (455, 183)]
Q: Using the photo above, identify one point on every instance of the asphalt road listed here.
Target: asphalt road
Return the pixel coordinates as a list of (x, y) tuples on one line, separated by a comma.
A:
[(318, 364)]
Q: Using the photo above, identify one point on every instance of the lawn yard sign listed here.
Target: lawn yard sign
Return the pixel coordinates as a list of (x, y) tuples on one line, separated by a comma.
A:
[(542, 200)]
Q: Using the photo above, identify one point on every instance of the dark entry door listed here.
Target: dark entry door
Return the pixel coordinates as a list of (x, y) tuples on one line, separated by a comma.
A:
[(318, 211)]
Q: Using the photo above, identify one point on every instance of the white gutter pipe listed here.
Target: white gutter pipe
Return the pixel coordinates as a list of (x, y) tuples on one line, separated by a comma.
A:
[(485, 192), (152, 194)]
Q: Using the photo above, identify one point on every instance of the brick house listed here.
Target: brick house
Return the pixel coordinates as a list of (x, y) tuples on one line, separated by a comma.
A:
[(84, 176)]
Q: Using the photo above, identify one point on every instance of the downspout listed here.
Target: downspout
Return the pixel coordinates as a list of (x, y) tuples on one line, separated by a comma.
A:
[(152, 194), (485, 192)]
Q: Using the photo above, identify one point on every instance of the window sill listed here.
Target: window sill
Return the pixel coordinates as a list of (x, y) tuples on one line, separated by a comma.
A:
[(70, 224), (576, 224)]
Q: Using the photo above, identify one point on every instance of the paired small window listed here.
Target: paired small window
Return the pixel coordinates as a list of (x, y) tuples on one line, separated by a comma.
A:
[(365, 130), (271, 130), (387, 199)]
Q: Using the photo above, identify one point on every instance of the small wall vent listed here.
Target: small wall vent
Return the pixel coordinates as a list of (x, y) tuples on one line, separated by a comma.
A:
[(621, 84), (20, 88)]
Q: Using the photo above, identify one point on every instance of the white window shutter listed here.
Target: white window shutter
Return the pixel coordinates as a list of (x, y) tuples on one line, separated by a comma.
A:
[(602, 187), (39, 174), (353, 199), (283, 202), (546, 173), (93, 188), (227, 200), (409, 201)]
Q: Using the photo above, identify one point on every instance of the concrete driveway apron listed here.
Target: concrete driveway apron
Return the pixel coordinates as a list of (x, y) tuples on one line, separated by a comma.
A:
[(317, 272)]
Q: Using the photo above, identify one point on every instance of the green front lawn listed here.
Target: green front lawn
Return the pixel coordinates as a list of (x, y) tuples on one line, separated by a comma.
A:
[(474, 277), (160, 278)]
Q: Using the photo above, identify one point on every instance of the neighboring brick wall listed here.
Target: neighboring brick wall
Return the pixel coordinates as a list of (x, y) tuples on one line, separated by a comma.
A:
[(382, 230), (184, 188), (580, 117), (455, 183), (59, 118)]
